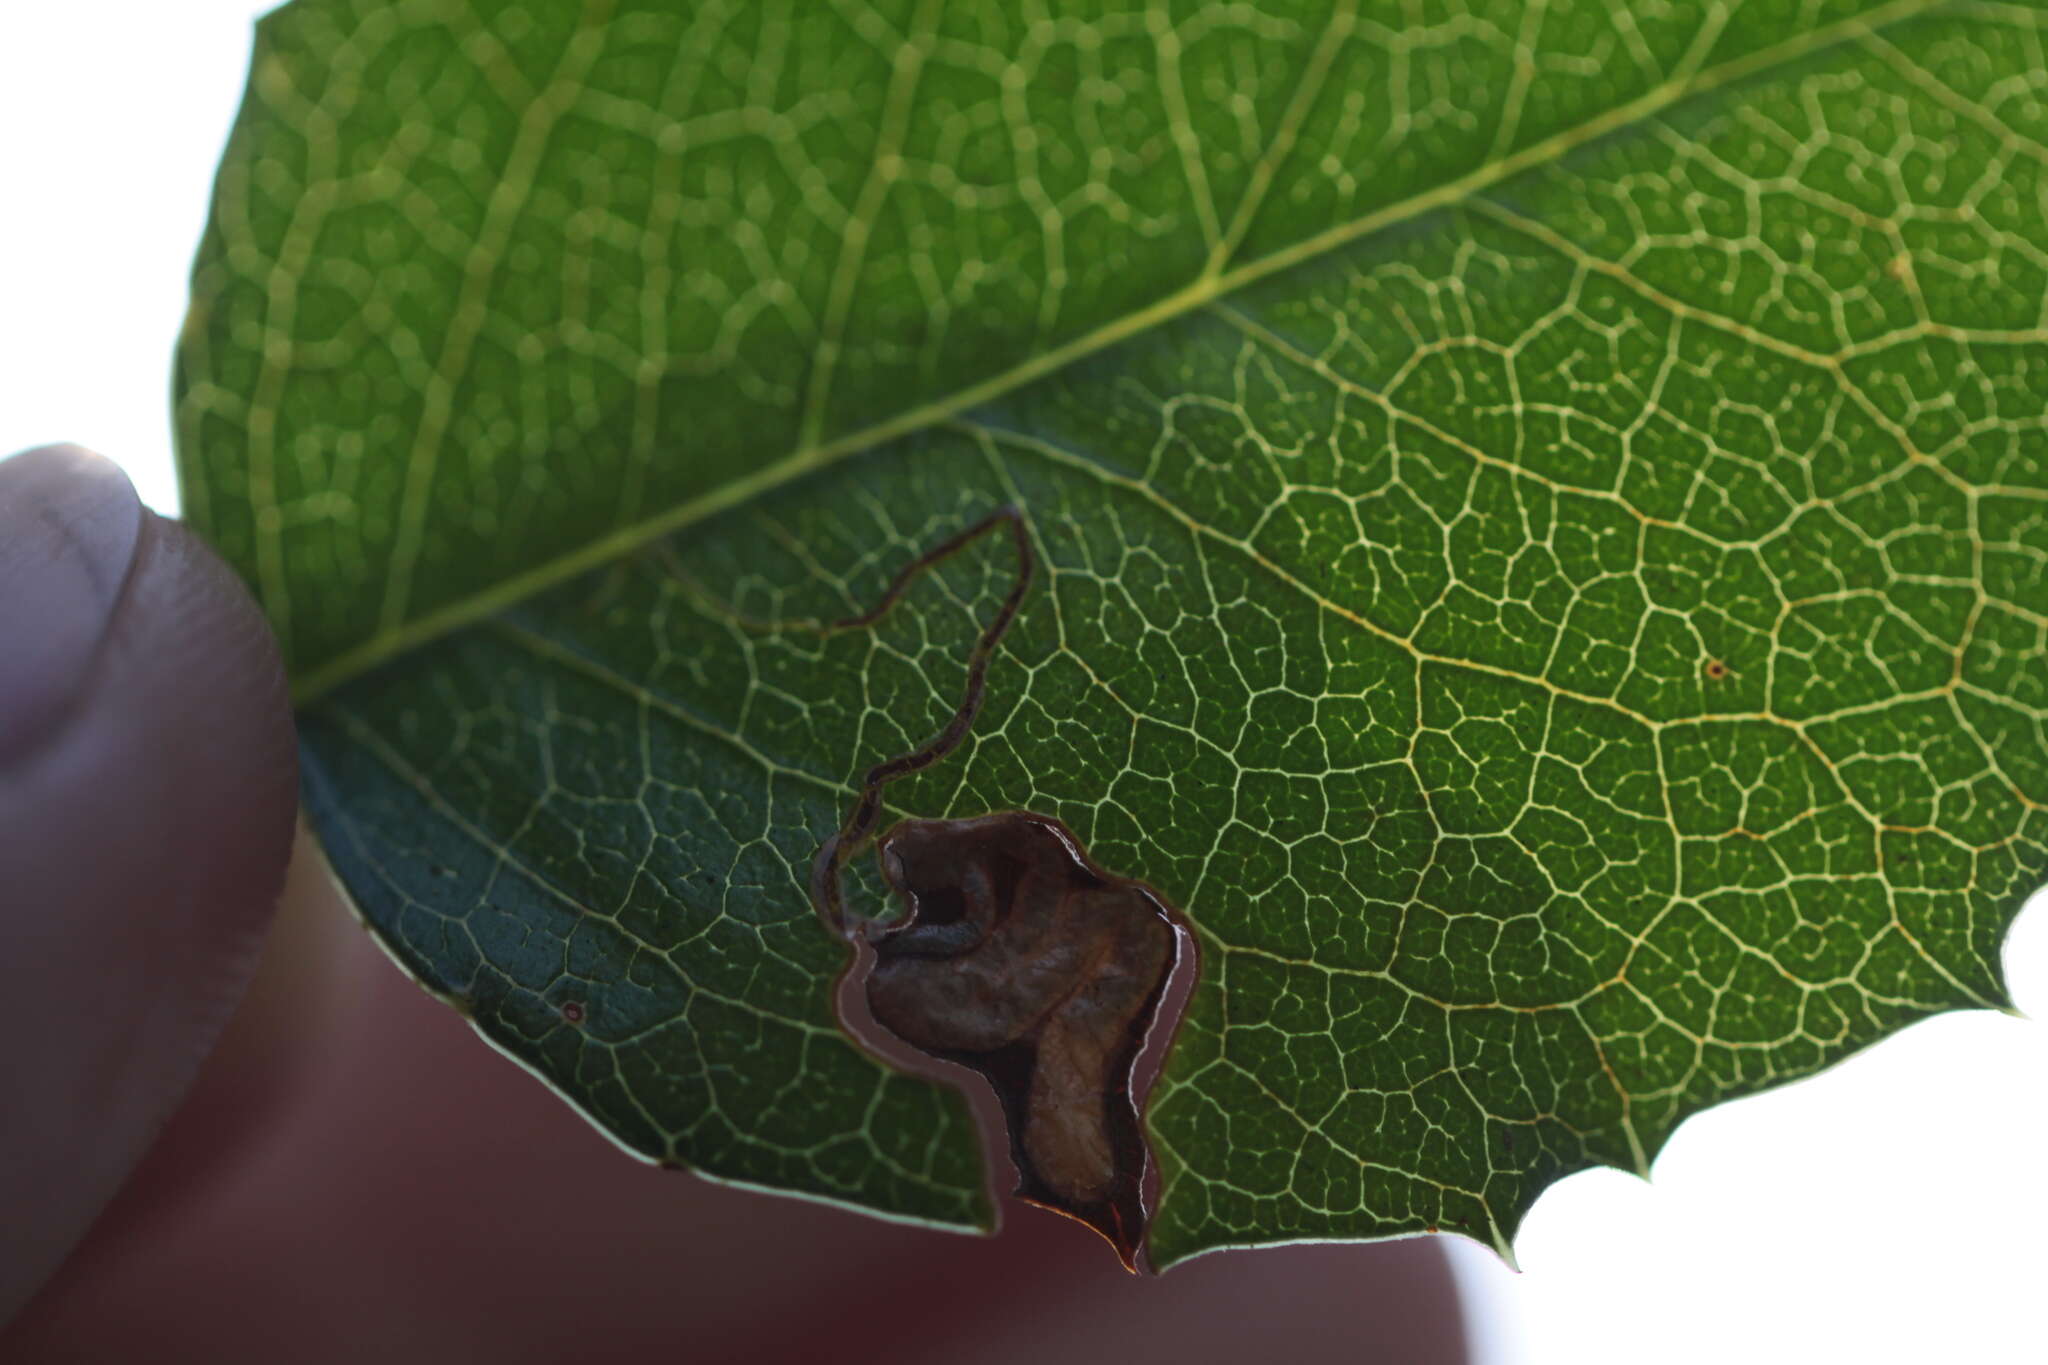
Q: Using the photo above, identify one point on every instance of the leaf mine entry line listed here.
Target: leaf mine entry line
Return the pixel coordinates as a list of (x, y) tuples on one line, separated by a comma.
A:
[(1017, 956)]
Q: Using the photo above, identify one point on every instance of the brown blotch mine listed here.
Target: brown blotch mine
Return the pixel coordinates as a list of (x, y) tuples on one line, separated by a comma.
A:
[(1016, 956), (1023, 960)]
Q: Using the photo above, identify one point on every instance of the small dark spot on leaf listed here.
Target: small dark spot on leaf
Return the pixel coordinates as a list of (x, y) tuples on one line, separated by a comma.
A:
[(1716, 670), (572, 1011)]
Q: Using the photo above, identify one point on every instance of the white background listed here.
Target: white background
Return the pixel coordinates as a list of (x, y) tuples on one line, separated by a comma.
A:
[(1890, 1210)]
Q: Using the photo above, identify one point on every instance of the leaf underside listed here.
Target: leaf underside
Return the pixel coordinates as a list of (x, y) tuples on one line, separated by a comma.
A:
[(1543, 515)]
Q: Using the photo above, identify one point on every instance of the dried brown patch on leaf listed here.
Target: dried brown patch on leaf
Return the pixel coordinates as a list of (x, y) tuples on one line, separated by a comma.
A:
[(1021, 959), (1016, 956)]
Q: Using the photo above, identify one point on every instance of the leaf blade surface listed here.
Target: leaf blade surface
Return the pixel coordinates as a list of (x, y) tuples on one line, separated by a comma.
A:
[(1567, 632)]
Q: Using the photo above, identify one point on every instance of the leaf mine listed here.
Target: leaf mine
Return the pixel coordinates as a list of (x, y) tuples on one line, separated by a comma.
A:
[(1017, 957), (1021, 959)]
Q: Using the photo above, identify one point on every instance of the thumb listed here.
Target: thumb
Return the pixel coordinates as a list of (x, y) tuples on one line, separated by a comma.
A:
[(148, 785)]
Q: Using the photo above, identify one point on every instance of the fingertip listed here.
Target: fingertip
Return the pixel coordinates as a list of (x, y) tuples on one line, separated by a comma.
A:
[(71, 521), (148, 786)]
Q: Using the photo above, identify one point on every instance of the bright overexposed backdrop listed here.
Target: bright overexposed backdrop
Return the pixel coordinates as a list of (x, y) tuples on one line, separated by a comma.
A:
[(1887, 1211)]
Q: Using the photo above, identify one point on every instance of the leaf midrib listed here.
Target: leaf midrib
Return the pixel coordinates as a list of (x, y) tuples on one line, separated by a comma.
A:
[(1214, 283)]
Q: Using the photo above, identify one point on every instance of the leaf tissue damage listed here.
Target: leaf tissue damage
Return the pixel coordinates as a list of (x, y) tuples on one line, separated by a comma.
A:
[(1016, 957)]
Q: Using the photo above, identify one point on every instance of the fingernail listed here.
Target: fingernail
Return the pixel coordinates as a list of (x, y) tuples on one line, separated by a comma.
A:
[(69, 522)]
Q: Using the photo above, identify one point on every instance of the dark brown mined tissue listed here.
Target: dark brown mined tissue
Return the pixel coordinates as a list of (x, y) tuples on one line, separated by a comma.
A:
[(1021, 959), (1016, 956)]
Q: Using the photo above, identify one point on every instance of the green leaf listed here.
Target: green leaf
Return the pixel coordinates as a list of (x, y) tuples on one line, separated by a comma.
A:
[(1543, 511)]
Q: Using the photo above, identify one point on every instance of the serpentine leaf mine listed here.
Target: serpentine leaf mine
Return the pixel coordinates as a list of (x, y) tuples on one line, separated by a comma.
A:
[(1016, 957)]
